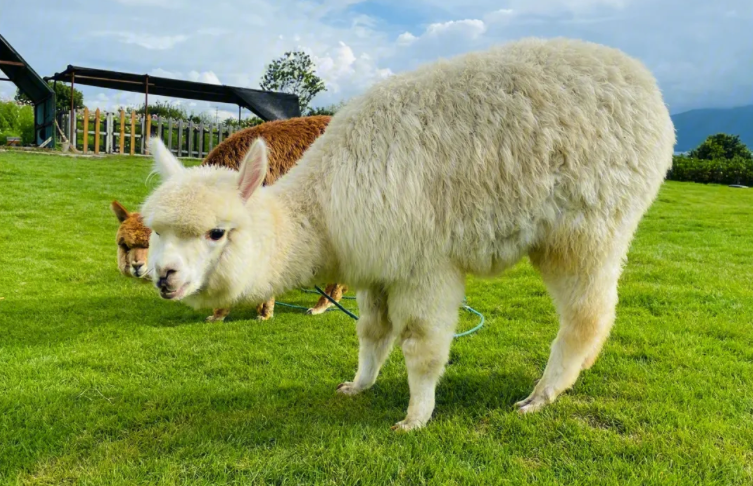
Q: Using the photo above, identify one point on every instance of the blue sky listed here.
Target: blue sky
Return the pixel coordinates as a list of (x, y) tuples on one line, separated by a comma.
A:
[(701, 52)]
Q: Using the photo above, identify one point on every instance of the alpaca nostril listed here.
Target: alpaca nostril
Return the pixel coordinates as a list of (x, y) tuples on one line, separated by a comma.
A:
[(164, 276), (137, 266), (165, 272)]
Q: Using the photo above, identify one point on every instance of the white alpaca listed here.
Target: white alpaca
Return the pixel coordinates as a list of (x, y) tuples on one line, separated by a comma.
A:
[(548, 148)]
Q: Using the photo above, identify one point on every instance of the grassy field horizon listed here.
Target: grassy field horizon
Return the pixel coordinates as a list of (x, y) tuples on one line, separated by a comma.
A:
[(102, 382)]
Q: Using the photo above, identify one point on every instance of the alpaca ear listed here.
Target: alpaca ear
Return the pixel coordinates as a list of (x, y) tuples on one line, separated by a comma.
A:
[(165, 163), (120, 212), (253, 169)]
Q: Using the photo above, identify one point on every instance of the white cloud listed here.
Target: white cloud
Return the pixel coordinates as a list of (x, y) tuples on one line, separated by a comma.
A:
[(147, 41), (204, 77), (364, 20), (501, 15), (163, 73), (193, 75), (213, 31), (471, 28), (406, 39), (7, 91), (452, 31), (152, 3), (344, 72)]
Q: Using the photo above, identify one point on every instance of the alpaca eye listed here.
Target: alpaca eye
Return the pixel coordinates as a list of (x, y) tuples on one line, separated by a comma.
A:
[(124, 247), (216, 234)]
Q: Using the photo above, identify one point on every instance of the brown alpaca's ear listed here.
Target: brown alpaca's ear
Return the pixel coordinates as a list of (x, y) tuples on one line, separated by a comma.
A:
[(120, 212)]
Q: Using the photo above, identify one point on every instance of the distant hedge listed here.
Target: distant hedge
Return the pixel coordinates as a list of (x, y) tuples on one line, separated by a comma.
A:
[(733, 171), (16, 121)]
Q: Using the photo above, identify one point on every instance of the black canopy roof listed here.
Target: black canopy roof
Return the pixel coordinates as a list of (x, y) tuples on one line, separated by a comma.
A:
[(267, 105), (22, 75)]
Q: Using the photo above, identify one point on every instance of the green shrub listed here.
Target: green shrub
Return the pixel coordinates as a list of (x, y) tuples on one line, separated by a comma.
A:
[(737, 170), (26, 124), (16, 121)]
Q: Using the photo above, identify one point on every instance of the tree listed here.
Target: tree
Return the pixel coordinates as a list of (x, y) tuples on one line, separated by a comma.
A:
[(325, 110), (167, 110), (164, 109), (293, 73), (62, 97), (251, 121), (721, 146)]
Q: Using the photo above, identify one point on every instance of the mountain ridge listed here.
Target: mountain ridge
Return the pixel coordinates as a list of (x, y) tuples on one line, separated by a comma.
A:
[(694, 126)]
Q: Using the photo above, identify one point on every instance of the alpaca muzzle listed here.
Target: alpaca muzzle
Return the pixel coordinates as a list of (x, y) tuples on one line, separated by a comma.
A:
[(168, 288)]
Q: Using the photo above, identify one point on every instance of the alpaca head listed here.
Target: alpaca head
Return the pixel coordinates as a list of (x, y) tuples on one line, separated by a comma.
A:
[(133, 242), (199, 219)]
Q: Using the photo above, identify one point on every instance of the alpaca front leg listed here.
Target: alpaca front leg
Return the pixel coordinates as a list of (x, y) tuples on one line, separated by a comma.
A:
[(425, 357), (218, 315), (375, 337), (427, 314), (335, 291), (266, 310)]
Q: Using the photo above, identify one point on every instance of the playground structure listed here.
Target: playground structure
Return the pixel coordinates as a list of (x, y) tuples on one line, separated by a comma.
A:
[(267, 105), (28, 81)]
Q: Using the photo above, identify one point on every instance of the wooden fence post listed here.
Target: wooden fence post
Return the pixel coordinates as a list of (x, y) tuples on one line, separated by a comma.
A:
[(201, 140), (190, 138), (148, 134), (86, 129), (111, 131), (96, 132), (74, 132), (211, 136), (180, 138), (170, 134), (142, 139), (133, 132), (108, 133), (121, 142)]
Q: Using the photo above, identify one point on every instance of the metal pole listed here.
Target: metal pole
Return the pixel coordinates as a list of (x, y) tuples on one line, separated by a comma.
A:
[(73, 80), (239, 116)]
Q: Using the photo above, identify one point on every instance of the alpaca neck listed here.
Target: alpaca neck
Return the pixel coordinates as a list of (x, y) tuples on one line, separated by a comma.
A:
[(299, 252)]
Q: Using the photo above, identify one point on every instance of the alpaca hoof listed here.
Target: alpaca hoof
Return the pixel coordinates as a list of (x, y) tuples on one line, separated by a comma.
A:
[(263, 317), (408, 425), (348, 388), (315, 311), (535, 402)]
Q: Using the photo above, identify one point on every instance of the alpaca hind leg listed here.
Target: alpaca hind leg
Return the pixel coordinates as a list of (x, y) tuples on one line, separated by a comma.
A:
[(266, 310), (218, 315), (585, 297), (335, 291), (375, 336), (427, 316)]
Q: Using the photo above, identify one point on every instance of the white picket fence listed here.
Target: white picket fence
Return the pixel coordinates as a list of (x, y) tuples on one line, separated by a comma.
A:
[(121, 133)]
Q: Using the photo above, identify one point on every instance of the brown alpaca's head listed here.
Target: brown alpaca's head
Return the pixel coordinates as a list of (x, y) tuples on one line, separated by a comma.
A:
[(133, 242)]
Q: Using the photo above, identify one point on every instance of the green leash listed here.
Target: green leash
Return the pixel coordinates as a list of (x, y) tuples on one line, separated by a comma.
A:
[(337, 304)]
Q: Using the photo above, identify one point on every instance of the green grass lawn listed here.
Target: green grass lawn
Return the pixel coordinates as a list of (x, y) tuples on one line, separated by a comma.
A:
[(101, 382)]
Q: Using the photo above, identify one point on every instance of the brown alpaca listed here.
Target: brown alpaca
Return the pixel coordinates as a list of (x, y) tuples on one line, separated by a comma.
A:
[(286, 140), (133, 242)]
